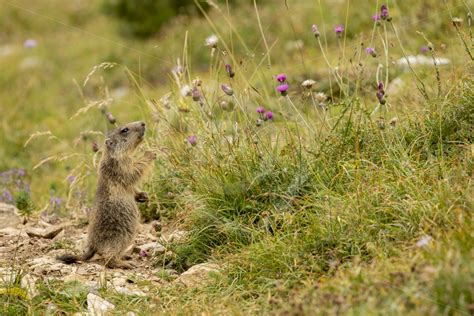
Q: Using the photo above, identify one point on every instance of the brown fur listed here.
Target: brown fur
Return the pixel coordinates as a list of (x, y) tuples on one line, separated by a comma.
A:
[(114, 222)]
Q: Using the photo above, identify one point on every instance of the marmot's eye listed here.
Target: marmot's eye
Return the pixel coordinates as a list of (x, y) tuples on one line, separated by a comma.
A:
[(124, 130)]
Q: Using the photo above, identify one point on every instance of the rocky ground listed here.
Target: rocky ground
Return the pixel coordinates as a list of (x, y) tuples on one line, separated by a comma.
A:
[(28, 248)]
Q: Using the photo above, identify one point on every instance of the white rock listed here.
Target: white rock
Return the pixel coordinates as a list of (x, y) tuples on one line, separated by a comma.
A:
[(7, 275), (197, 274), (47, 233), (152, 248), (97, 306), (49, 266), (421, 60), (424, 241), (177, 236), (9, 215), (129, 291), (10, 231), (28, 282)]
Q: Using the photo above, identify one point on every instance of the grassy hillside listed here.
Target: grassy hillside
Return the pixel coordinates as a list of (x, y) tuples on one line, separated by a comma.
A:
[(354, 196)]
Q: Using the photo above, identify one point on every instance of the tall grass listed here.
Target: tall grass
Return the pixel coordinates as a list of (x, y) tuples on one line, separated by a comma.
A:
[(345, 201)]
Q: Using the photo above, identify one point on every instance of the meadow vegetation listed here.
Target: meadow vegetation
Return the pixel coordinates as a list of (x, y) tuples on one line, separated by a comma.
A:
[(323, 174)]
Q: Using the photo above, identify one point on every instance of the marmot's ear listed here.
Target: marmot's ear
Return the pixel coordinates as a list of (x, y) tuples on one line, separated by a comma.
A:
[(109, 142)]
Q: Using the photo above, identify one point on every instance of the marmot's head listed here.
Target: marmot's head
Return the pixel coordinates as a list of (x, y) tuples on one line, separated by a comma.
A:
[(125, 139)]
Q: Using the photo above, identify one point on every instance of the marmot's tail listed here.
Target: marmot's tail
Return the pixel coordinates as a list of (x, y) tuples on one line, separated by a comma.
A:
[(68, 258)]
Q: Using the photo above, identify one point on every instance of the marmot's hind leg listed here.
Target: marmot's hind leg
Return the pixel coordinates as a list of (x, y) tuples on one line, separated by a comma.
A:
[(115, 263)]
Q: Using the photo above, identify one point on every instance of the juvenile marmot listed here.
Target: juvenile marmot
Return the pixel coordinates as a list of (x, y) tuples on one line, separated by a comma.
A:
[(114, 221)]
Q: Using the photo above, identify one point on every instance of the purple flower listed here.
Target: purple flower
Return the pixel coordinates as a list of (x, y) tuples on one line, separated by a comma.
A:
[(424, 49), (315, 30), (281, 77), (227, 90), (30, 43), (339, 30), (376, 17), (381, 93), (196, 94), (71, 178), (21, 172), (55, 202), (260, 110), (384, 12), (269, 115), (143, 253), (7, 196), (283, 89), (371, 51), (230, 71), (192, 140)]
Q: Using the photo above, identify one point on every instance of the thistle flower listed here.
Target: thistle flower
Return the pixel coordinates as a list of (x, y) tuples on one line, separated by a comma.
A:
[(196, 94), (283, 89), (424, 49), (110, 118), (308, 83), (384, 15), (320, 97), (30, 43), (268, 115), (315, 30), (371, 51), (381, 124), (381, 93), (143, 253), (281, 77), (227, 89), (192, 140), (339, 30), (376, 17), (229, 70), (212, 41), (260, 110)]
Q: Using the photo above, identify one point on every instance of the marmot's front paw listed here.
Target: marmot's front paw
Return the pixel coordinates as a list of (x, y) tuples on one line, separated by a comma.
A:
[(141, 197), (150, 155)]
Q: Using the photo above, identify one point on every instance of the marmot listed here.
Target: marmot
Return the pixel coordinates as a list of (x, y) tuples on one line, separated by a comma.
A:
[(115, 218)]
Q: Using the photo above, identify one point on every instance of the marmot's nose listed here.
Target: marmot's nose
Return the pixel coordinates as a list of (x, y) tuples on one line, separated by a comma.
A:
[(142, 124)]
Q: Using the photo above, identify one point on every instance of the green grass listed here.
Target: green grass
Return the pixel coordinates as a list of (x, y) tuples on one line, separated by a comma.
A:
[(314, 212)]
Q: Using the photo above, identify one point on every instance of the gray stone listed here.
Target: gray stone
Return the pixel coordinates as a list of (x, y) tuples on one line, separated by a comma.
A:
[(197, 274), (47, 233), (9, 216), (177, 236), (97, 306), (151, 248), (28, 282)]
